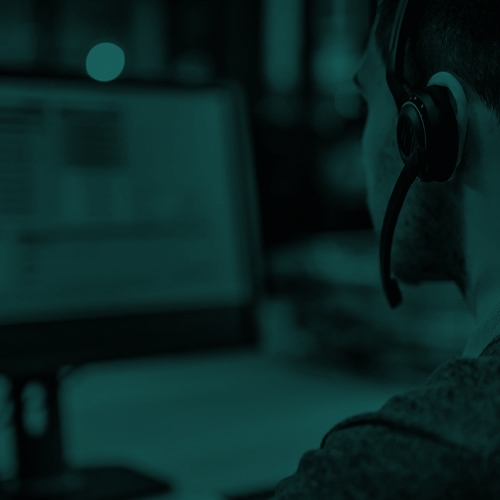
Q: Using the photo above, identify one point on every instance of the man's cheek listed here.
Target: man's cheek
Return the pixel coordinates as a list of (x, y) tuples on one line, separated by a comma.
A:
[(370, 151), (371, 188)]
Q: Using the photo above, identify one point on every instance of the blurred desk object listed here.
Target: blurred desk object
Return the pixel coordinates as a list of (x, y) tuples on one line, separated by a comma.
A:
[(218, 423)]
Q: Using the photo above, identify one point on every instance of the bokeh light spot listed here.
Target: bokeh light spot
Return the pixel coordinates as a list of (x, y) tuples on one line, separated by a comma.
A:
[(105, 62)]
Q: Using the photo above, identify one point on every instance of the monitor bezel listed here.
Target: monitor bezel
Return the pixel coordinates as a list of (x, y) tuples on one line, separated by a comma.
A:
[(46, 346)]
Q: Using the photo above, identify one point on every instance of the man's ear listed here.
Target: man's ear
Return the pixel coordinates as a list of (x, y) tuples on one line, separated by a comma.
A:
[(459, 103)]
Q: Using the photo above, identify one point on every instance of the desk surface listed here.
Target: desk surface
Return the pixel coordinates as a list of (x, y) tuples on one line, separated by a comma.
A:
[(217, 422)]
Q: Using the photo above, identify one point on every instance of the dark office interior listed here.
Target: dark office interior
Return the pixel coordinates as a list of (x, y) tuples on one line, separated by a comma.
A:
[(214, 387)]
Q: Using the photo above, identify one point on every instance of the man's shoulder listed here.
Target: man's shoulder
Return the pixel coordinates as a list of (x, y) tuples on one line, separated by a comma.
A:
[(459, 404), (441, 435)]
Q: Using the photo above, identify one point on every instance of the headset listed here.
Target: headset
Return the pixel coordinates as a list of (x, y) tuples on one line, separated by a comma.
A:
[(427, 136)]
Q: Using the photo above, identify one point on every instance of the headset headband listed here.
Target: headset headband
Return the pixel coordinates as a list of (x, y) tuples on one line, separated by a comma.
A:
[(405, 21)]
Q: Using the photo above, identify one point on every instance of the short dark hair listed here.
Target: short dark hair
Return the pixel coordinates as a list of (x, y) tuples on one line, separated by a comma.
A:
[(458, 36)]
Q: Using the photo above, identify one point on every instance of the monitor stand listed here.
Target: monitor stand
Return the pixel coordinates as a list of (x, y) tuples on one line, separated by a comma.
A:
[(42, 473)]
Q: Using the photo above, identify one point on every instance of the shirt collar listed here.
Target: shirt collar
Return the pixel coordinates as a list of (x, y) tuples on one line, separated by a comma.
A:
[(485, 332)]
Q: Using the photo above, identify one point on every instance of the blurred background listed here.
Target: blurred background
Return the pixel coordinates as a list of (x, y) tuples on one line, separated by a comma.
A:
[(234, 422)]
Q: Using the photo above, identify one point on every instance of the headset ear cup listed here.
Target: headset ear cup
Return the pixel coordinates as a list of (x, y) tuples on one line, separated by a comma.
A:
[(441, 132)]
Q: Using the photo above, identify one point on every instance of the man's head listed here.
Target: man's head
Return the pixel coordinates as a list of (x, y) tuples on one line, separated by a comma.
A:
[(443, 228)]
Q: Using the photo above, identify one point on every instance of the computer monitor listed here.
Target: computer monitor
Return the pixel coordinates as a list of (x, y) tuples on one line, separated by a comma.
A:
[(129, 227)]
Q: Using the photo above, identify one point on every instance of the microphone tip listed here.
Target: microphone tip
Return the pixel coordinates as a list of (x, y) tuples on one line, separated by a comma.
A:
[(394, 294)]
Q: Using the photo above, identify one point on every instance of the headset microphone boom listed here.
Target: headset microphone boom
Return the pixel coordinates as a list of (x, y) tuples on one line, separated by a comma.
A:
[(427, 136)]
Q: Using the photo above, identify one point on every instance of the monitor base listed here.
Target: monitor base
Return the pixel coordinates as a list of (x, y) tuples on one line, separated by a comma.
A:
[(42, 471), (86, 483)]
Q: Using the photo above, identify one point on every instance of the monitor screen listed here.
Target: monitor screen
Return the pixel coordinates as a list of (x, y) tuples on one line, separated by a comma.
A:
[(128, 220)]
